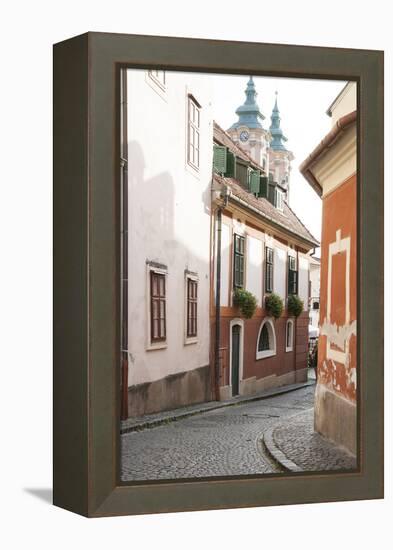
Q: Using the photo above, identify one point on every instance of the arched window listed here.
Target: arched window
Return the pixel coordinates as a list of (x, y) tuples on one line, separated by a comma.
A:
[(289, 335), (266, 343)]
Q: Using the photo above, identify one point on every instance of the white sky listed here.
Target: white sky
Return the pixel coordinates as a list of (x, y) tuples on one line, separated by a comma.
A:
[(302, 104)]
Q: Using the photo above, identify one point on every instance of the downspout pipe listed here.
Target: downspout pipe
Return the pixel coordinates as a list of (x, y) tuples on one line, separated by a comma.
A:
[(218, 306)]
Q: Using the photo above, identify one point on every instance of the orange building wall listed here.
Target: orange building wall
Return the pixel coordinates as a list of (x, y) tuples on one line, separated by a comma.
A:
[(339, 213)]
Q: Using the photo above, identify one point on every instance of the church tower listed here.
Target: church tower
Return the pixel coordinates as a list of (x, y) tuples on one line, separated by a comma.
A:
[(279, 157), (248, 131)]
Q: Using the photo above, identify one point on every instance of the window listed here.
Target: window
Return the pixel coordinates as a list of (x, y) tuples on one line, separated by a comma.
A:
[(266, 344), (279, 200), (292, 275), (192, 307), (194, 122), (157, 307), (269, 270), (238, 261), (158, 77), (289, 336)]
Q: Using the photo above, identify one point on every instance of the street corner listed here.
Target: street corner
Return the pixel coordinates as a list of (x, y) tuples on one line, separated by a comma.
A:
[(296, 447)]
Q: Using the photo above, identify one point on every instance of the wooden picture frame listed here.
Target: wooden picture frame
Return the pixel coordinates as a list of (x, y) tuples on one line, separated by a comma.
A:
[(86, 273)]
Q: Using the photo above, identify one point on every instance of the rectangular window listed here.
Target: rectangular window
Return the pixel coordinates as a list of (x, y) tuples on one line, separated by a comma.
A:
[(157, 307), (238, 261), (292, 275), (279, 200), (289, 336), (192, 308), (194, 124), (269, 270), (158, 77)]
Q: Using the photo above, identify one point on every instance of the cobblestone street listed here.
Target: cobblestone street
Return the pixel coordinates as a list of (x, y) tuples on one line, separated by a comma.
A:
[(223, 442)]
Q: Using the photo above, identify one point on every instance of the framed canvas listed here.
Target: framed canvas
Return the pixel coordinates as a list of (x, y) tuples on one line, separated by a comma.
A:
[(91, 400)]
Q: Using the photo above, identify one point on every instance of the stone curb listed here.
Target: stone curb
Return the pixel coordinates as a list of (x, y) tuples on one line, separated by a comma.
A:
[(276, 454), (186, 414)]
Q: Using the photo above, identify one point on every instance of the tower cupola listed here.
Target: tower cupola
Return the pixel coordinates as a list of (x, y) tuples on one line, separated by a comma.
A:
[(249, 113), (275, 130)]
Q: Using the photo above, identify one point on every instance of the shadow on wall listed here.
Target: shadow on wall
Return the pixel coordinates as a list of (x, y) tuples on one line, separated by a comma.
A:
[(154, 210)]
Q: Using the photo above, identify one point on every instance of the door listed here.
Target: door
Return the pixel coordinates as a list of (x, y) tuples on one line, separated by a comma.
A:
[(235, 359)]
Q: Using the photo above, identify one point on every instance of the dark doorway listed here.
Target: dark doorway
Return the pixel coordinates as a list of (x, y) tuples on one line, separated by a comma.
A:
[(235, 359)]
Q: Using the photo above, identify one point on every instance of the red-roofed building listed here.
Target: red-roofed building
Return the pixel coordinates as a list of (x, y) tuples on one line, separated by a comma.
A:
[(260, 245)]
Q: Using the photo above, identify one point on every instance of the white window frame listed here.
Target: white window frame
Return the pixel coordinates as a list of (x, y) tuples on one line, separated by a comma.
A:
[(193, 130), (150, 346), (280, 200), (272, 339), (292, 325), (190, 339)]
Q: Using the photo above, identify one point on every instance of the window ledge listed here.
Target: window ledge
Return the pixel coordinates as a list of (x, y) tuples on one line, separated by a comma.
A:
[(289, 349), (158, 345), (192, 340), (266, 354)]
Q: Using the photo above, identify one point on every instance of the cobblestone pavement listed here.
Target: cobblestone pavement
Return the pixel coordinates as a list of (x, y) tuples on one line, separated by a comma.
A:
[(223, 442), (308, 450)]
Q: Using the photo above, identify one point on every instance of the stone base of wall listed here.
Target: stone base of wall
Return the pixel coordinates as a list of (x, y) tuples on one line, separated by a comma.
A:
[(335, 418), (253, 385), (225, 393), (171, 392)]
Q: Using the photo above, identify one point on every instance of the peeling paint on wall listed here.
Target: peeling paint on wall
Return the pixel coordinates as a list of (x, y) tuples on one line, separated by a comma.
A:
[(338, 335)]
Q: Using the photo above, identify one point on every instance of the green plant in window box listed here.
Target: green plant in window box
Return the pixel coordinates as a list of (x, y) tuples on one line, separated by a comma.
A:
[(274, 305), (245, 301), (295, 305)]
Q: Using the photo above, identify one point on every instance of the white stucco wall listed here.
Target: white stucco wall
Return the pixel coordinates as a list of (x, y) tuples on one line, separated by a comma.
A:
[(226, 235), (279, 271), (169, 217), (303, 274), (315, 277), (254, 267)]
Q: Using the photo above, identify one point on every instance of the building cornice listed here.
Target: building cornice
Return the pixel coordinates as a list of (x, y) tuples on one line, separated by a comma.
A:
[(306, 167)]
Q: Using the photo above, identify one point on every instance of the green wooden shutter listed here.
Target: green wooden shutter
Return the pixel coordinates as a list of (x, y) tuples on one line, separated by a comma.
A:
[(263, 187), (255, 181), (231, 165), (241, 173), (292, 276), (220, 159), (290, 281)]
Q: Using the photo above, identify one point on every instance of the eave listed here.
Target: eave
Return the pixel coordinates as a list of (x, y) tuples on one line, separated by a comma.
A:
[(322, 148), (269, 223)]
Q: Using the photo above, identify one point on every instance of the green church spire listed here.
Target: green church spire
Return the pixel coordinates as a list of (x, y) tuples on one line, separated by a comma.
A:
[(249, 113), (275, 129)]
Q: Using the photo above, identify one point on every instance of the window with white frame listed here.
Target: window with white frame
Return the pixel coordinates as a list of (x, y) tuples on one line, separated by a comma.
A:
[(193, 138), (266, 342), (279, 200), (191, 308), (289, 335), (158, 78), (157, 305)]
